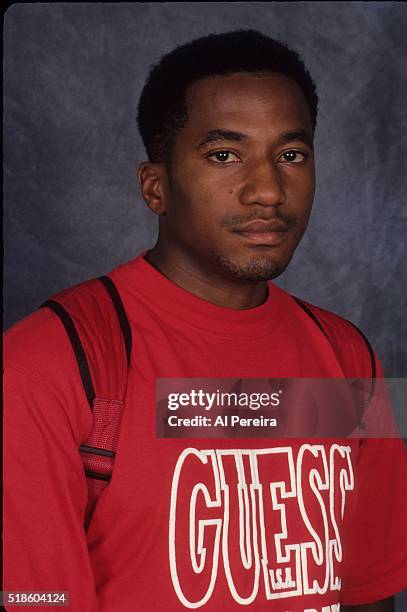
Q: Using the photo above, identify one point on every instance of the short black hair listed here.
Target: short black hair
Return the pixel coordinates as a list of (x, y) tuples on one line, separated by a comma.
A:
[(162, 109)]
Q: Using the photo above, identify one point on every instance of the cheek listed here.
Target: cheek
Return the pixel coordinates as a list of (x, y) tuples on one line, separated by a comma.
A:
[(193, 213), (300, 196), (300, 190), (197, 199), (300, 180)]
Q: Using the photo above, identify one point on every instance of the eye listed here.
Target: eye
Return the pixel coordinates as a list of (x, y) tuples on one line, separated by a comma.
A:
[(224, 157), (295, 157)]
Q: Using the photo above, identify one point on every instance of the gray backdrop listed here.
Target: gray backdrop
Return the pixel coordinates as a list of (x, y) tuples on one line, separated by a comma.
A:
[(73, 74)]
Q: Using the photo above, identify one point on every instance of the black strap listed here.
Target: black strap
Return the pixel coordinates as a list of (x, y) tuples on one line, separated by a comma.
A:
[(123, 320), (310, 314), (368, 345), (94, 450), (97, 476), (76, 343), (372, 360), (78, 349)]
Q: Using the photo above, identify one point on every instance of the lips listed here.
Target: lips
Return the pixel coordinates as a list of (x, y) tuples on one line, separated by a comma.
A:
[(262, 227), (264, 233)]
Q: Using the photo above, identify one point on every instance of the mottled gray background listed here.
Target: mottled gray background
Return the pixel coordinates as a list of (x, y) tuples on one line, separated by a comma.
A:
[(73, 74)]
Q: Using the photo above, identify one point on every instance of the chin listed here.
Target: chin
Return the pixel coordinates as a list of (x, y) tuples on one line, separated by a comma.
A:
[(255, 268)]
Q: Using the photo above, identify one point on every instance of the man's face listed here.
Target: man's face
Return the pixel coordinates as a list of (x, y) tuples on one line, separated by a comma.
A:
[(241, 182)]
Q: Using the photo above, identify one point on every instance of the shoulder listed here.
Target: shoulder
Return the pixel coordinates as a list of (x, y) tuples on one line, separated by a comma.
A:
[(36, 341), (349, 342), (42, 334), (80, 325), (41, 374)]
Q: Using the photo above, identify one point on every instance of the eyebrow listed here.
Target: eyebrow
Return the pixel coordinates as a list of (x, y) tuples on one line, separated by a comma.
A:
[(301, 135), (219, 135)]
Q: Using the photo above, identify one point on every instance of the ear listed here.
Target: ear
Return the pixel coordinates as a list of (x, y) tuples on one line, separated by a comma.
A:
[(153, 181)]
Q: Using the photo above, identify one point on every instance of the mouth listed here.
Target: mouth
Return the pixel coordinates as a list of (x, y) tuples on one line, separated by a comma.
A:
[(268, 233)]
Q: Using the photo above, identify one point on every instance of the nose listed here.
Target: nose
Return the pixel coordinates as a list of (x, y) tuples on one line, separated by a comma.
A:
[(263, 185)]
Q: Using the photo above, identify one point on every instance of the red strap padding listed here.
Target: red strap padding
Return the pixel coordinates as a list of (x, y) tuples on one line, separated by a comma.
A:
[(78, 309)]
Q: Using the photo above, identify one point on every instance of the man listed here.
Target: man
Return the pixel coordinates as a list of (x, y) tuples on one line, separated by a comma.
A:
[(228, 124)]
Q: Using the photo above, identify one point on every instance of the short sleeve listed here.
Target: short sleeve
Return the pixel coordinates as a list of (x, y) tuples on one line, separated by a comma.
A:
[(45, 493), (375, 527)]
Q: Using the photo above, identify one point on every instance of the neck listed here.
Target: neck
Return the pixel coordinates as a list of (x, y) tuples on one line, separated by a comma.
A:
[(212, 287)]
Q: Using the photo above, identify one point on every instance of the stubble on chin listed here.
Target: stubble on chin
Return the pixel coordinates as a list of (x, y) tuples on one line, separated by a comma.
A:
[(255, 268)]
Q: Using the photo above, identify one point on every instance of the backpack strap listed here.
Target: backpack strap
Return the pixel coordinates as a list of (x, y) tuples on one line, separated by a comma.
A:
[(313, 316), (99, 450), (309, 312), (369, 348), (121, 313), (373, 368), (77, 347)]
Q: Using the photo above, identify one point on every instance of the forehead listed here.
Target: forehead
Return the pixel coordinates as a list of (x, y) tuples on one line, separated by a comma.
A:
[(267, 100)]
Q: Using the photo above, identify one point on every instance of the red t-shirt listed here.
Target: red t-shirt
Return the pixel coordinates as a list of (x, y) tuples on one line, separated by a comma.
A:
[(286, 525)]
